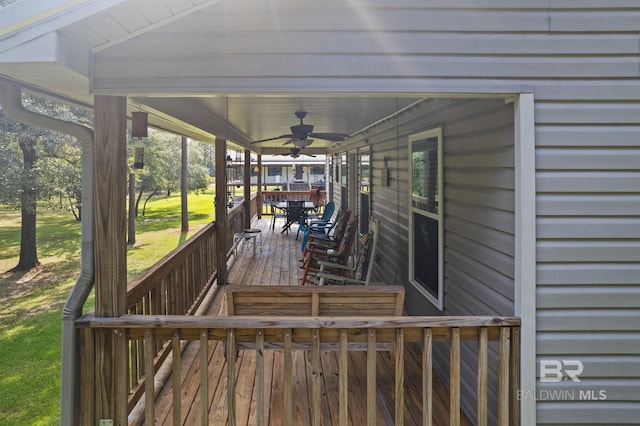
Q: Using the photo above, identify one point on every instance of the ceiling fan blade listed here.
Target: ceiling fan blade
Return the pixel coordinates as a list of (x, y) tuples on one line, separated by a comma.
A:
[(334, 137), (289, 136), (308, 155)]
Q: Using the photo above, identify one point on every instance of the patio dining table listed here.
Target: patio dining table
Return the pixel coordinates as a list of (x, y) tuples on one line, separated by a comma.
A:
[(305, 207)]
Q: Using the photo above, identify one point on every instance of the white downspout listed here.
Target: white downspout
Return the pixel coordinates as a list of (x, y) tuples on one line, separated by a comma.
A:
[(11, 101)]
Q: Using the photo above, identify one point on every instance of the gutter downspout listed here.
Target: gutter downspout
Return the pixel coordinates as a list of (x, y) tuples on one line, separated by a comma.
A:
[(11, 101)]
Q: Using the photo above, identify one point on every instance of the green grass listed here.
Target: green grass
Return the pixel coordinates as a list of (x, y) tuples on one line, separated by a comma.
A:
[(31, 303)]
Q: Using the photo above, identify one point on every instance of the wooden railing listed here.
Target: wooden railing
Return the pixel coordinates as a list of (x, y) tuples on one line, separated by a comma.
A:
[(287, 332), (176, 285)]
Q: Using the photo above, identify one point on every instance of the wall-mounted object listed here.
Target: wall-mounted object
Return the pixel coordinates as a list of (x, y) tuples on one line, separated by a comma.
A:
[(384, 174), (139, 124)]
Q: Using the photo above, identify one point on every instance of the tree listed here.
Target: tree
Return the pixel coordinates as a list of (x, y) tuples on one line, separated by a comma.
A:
[(10, 163), (28, 204), (59, 179), (184, 211), (21, 173), (162, 166)]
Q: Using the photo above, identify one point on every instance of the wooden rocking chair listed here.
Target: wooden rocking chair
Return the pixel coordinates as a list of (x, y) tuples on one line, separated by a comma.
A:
[(316, 253), (334, 273)]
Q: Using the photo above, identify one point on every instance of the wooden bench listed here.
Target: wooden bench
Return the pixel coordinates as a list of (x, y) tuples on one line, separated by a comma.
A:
[(316, 301), (325, 301)]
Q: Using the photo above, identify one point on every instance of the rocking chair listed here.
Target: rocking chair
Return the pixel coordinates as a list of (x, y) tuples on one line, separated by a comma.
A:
[(334, 273), (313, 254)]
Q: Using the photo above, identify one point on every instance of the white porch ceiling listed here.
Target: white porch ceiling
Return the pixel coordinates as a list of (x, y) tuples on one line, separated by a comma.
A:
[(54, 53)]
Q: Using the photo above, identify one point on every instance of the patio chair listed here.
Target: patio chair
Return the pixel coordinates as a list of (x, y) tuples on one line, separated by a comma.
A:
[(360, 274), (314, 254), (319, 222), (316, 195), (321, 228), (328, 235), (295, 213), (272, 200)]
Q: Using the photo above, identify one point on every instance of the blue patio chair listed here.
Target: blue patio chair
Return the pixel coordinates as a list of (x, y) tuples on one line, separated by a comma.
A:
[(329, 233), (329, 208)]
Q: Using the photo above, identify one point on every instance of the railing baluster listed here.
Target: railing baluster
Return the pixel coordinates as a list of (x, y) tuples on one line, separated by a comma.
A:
[(514, 403), (399, 377), (316, 414), (288, 377), (176, 374), (149, 414), (204, 378), (371, 377), (427, 377), (503, 377), (344, 379), (454, 378), (260, 377), (481, 389), (231, 376)]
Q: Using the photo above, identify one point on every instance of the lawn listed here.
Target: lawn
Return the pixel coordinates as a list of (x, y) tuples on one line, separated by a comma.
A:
[(31, 313)]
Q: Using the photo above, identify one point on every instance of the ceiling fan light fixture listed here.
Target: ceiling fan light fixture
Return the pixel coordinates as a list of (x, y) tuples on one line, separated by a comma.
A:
[(302, 143), (304, 131)]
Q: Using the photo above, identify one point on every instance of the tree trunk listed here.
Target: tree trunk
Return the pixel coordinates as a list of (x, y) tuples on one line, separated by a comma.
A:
[(144, 206), (137, 208), (131, 240), (184, 189), (28, 250)]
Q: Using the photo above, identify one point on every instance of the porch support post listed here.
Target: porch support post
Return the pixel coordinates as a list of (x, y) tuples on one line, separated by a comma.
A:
[(110, 162), (221, 210), (247, 189), (525, 246), (259, 186)]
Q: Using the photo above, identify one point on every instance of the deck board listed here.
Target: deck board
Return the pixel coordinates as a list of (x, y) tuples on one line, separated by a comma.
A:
[(276, 263)]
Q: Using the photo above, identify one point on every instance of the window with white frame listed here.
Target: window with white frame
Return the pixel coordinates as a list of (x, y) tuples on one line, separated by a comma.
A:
[(364, 190), (426, 215)]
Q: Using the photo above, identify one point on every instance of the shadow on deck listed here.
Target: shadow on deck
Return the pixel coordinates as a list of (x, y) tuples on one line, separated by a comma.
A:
[(276, 263)]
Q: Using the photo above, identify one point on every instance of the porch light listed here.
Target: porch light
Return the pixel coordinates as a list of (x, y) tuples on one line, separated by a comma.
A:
[(229, 165), (139, 124)]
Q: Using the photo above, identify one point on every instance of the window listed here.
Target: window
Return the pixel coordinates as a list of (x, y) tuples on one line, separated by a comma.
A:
[(365, 172), (274, 171), (426, 215), (317, 170), (343, 169), (365, 188)]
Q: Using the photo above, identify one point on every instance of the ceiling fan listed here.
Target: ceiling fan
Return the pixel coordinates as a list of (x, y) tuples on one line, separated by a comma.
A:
[(295, 152), (300, 132)]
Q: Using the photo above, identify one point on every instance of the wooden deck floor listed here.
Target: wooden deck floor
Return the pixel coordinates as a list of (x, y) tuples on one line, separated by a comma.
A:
[(277, 264)]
